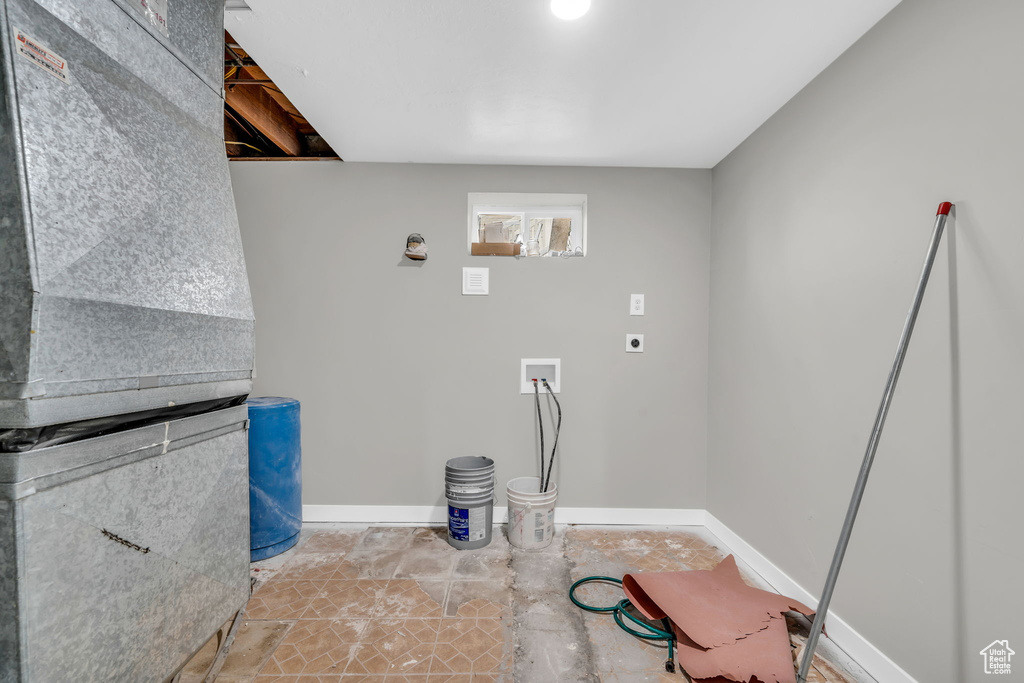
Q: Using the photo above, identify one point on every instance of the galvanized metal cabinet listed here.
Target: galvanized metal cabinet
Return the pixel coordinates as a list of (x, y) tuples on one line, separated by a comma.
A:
[(122, 554), (122, 289), (122, 280)]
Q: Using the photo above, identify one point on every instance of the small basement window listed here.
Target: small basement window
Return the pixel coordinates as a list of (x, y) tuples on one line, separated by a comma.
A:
[(518, 224)]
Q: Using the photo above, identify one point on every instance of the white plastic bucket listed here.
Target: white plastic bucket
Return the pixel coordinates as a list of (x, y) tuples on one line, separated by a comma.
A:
[(531, 514)]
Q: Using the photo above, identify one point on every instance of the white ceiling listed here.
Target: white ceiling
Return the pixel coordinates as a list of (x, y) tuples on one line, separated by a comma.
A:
[(661, 83)]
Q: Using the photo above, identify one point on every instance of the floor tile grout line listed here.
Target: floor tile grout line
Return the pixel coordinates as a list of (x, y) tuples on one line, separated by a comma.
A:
[(440, 622), (373, 616)]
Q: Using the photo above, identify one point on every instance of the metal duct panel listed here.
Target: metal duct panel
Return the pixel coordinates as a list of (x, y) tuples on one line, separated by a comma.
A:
[(194, 29), (132, 547), (16, 258), (194, 33), (122, 280), (122, 32), (10, 654)]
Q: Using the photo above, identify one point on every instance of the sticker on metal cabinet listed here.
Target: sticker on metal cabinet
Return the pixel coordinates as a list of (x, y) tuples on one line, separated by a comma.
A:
[(43, 57), (155, 12)]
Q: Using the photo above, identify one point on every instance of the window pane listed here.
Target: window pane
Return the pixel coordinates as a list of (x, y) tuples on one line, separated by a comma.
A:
[(551, 235), (499, 227), (540, 233), (561, 228)]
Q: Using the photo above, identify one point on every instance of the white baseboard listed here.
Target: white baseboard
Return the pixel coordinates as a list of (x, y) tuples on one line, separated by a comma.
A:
[(431, 514), (628, 516), (376, 514), (873, 660)]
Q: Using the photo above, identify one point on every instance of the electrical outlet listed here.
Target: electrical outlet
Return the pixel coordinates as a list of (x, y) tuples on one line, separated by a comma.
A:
[(634, 343), (636, 304)]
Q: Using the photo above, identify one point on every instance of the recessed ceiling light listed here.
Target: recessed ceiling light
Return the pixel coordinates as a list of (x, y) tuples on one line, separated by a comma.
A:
[(569, 9)]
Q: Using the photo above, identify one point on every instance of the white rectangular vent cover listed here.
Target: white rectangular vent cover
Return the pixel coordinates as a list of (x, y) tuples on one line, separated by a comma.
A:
[(475, 281)]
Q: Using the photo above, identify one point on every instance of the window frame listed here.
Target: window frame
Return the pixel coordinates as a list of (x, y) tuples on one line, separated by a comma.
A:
[(528, 206)]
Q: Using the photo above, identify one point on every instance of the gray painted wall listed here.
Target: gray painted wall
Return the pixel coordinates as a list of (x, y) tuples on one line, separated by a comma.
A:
[(397, 371), (821, 220)]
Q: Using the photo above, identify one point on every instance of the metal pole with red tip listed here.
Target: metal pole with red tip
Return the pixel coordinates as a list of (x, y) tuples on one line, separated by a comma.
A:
[(876, 433)]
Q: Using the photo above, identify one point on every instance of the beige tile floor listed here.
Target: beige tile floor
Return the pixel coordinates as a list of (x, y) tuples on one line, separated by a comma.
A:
[(391, 604)]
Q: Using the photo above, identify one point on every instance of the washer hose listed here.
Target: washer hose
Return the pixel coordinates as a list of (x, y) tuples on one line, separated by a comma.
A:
[(620, 610)]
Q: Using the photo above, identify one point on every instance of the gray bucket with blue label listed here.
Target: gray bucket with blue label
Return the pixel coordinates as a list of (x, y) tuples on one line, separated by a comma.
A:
[(469, 488)]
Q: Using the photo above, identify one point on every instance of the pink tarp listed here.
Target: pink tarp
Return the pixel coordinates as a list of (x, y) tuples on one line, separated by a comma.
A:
[(726, 630)]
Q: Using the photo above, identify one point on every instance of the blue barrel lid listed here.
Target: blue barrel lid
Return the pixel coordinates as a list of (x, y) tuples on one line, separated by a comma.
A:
[(270, 402)]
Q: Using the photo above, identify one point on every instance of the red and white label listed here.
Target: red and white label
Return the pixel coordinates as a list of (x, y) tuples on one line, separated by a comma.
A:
[(46, 59), (156, 12)]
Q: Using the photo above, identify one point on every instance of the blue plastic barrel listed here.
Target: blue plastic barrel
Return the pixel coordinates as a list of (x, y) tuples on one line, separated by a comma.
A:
[(275, 476)]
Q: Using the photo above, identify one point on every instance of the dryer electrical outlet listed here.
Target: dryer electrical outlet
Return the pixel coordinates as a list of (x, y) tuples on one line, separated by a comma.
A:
[(540, 368), (634, 343)]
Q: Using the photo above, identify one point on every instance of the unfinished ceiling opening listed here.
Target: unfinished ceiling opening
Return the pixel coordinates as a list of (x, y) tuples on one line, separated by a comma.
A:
[(659, 83), (260, 122)]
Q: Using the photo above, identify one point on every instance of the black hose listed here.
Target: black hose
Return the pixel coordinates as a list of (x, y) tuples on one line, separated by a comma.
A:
[(540, 424), (558, 430)]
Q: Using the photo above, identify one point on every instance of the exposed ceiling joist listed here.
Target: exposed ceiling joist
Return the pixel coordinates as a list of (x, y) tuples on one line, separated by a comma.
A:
[(266, 115)]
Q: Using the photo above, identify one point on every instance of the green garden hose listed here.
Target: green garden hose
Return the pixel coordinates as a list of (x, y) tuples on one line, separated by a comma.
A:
[(620, 610)]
